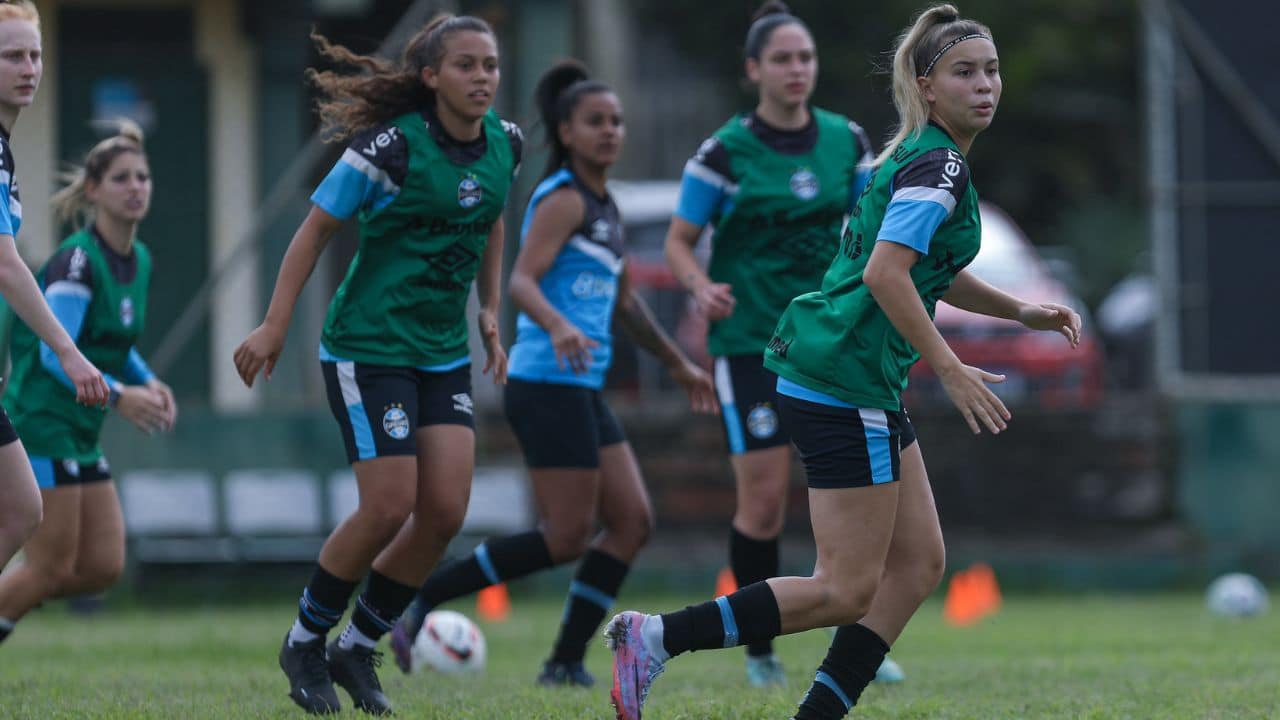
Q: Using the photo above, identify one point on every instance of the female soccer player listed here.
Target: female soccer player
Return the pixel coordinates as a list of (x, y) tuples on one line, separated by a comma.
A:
[(842, 355), (426, 173), (96, 285), (776, 184), (570, 281), (21, 66)]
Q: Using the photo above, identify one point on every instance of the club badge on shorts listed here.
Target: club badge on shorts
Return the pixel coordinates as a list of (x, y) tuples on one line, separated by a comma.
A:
[(395, 422), (762, 421)]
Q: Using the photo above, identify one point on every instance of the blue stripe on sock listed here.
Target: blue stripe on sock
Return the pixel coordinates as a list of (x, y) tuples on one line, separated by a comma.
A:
[(486, 565), (311, 601), (364, 609), (831, 684), (591, 594), (729, 622)]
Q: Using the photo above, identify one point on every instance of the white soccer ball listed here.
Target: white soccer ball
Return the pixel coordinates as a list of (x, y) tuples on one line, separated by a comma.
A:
[(449, 643), (1237, 595)]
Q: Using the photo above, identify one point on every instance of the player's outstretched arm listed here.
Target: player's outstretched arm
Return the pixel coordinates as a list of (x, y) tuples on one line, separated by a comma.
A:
[(489, 289), (262, 347)]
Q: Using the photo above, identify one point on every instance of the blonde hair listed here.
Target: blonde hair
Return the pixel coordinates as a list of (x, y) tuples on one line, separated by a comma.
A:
[(916, 47), (70, 204), (20, 10)]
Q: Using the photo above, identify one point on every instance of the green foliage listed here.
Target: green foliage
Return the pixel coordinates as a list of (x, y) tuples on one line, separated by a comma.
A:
[(1041, 657), (1067, 131)]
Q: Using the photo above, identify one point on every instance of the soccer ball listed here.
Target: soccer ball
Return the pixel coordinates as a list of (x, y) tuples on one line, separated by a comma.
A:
[(449, 643), (1237, 595)]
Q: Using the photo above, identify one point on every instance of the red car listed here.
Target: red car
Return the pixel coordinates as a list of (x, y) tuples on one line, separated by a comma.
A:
[(1041, 369)]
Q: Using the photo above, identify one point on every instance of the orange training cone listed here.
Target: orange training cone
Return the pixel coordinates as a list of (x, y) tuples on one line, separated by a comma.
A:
[(493, 604), (971, 595), (726, 583)]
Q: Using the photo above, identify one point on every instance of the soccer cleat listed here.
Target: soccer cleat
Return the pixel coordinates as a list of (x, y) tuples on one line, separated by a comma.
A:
[(765, 671), (565, 674), (634, 667), (356, 671), (402, 646), (307, 668), (889, 672)]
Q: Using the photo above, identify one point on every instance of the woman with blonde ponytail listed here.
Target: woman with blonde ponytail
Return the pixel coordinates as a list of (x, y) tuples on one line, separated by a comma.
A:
[(96, 284), (21, 67), (425, 174), (842, 354)]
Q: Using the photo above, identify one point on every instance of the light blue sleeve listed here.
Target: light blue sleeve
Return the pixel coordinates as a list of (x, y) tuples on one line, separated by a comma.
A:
[(69, 302), (136, 370), (6, 219), (352, 185), (912, 223), (702, 192)]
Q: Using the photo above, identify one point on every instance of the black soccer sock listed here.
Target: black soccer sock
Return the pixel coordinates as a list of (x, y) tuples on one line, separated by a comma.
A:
[(323, 601), (591, 595), (753, 561), (855, 654), (6, 627), (380, 605), (749, 615), (492, 562)]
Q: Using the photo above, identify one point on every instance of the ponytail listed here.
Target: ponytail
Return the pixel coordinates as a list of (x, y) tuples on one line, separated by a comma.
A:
[(558, 92), (70, 206), (916, 51)]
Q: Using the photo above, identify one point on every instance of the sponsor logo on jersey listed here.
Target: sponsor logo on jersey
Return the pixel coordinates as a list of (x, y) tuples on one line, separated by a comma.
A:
[(453, 259), (382, 140), (779, 347), (79, 260), (950, 169), (600, 231), (762, 421), (462, 403), (469, 192), (590, 285), (126, 312), (395, 422), (804, 184)]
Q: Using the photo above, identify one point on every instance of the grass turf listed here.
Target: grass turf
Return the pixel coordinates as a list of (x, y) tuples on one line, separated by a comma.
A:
[(1041, 657)]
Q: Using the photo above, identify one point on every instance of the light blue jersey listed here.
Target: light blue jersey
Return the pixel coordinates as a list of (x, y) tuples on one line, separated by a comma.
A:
[(581, 284)]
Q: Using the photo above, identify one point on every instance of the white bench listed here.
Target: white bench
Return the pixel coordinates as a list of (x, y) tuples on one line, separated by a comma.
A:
[(181, 516)]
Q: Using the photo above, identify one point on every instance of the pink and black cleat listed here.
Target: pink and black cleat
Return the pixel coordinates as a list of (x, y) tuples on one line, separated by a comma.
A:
[(402, 647), (634, 667)]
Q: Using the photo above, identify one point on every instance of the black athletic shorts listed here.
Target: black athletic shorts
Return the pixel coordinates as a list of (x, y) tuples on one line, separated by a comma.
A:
[(378, 406), (748, 403), (560, 426), (846, 447), (52, 472)]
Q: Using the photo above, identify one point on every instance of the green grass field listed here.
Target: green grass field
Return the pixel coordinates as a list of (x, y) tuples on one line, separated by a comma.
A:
[(1041, 657)]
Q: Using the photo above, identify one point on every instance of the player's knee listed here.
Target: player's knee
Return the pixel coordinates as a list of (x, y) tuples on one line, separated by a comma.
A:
[(20, 520), (760, 514), (387, 513), (568, 539), (635, 530), (849, 599), (446, 522), (104, 574)]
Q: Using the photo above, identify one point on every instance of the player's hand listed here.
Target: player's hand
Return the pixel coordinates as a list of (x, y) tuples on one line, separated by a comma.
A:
[(573, 349), (698, 384), (1052, 316), (259, 351), (91, 387), (967, 388), (495, 355), (143, 407), (715, 300), (170, 404)]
